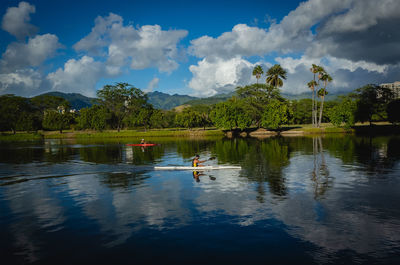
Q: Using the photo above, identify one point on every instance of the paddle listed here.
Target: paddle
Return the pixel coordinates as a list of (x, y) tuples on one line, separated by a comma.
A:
[(211, 158)]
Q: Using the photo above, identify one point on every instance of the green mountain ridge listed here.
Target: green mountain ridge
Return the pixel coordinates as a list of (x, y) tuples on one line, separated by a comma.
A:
[(166, 101), (77, 101)]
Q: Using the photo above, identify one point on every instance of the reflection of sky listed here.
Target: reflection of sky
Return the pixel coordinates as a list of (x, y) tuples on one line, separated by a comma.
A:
[(348, 217), (356, 211), (120, 213), (38, 209)]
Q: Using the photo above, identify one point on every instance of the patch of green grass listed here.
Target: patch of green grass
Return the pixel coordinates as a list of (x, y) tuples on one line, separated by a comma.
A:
[(136, 134), (325, 128), (338, 130), (9, 137), (313, 130)]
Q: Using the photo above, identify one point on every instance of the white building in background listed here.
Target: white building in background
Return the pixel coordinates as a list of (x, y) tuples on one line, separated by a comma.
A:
[(61, 109), (395, 87)]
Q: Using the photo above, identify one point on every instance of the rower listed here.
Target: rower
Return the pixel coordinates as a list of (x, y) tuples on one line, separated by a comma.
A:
[(196, 162)]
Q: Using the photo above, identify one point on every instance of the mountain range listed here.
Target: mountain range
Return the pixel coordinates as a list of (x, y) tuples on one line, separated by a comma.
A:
[(165, 101), (77, 101)]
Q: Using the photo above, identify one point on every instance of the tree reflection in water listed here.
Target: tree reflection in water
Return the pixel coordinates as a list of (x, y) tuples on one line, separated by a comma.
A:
[(320, 172), (262, 161)]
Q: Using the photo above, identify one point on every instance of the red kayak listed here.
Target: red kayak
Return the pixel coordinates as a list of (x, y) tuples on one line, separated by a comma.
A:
[(141, 144)]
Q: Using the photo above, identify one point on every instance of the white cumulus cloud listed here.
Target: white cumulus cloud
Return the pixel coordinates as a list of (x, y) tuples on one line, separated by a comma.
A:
[(20, 55), (143, 47), (16, 20), (25, 82), (220, 76), (78, 76), (152, 85)]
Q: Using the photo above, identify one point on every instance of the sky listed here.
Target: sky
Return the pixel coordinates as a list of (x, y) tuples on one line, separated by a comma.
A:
[(197, 48)]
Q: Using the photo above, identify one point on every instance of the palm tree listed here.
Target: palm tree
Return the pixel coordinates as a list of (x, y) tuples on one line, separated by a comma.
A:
[(322, 93), (312, 85), (315, 69), (258, 72), (274, 75)]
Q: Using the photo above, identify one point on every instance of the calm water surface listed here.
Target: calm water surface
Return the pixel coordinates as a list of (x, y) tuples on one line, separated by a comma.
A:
[(296, 200)]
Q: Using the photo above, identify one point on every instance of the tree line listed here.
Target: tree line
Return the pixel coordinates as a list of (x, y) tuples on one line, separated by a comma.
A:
[(260, 105)]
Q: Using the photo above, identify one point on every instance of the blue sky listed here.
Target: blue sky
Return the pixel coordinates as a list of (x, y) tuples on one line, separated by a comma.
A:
[(199, 48)]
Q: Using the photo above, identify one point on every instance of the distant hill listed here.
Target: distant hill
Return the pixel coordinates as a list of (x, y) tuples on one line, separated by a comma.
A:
[(166, 101), (211, 100), (76, 100), (158, 99)]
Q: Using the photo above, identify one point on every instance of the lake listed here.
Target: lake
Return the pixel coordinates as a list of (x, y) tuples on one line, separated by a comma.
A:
[(296, 200)]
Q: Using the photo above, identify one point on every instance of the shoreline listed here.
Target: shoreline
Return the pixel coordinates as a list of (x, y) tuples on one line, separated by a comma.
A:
[(293, 131)]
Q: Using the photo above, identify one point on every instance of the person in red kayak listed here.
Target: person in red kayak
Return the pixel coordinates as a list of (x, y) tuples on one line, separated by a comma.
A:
[(142, 142), (196, 162)]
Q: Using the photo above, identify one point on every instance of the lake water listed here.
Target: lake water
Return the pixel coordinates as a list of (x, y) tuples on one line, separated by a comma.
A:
[(322, 200)]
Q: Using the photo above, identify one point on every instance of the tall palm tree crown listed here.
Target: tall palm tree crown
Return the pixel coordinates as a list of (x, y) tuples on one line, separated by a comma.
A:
[(312, 84), (325, 78), (322, 92), (316, 69), (274, 75), (258, 72)]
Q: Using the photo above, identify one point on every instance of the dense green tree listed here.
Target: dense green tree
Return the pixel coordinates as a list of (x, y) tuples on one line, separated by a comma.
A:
[(188, 118), (254, 99), (204, 111), (372, 102), (17, 113), (258, 72), (328, 105), (169, 118), (54, 120), (100, 117), (343, 113), (29, 121), (301, 111), (276, 114), (275, 74), (142, 117), (157, 119), (121, 100), (84, 120), (393, 111), (96, 117), (231, 114)]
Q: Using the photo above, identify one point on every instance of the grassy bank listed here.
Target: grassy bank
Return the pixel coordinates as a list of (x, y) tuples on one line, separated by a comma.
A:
[(134, 134), (292, 130), (308, 129), (9, 137), (377, 128)]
